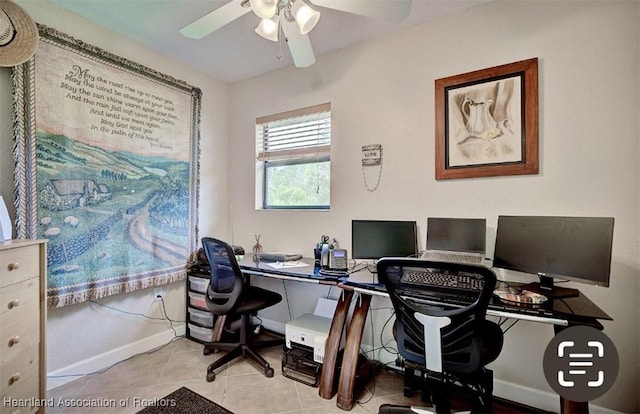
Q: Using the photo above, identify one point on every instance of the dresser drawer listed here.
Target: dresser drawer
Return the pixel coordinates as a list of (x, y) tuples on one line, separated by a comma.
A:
[(19, 376), (21, 396), (20, 298), (18, 334), (19, 264)]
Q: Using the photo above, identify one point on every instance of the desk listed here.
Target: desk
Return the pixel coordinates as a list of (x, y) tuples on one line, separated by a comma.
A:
[(561, 313), (310, 274)]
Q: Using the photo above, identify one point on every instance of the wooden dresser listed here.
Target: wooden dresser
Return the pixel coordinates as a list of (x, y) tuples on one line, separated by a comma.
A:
[(23, 317)]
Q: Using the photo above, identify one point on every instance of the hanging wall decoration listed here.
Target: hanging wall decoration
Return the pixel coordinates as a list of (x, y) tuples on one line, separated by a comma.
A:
[(371, 157), (487, 122), (106, 154)]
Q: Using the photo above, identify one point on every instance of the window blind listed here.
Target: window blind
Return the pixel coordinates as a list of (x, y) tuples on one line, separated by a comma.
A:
[(299, 134)]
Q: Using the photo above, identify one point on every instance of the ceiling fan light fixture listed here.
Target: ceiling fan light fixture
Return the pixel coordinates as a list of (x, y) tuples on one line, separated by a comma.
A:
[(265, 9), (305, 16), (268, 28)]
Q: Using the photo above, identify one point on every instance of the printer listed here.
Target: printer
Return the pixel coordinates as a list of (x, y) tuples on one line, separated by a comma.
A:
[(310, 331)]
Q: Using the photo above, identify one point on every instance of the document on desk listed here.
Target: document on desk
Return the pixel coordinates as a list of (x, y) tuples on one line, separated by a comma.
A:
[(287, 265)]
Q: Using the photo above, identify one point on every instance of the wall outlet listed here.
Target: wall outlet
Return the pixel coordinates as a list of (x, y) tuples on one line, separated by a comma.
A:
[(157, 293)]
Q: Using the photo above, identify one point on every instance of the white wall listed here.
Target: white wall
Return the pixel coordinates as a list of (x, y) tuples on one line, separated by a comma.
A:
[(383, 92), (86, 336)]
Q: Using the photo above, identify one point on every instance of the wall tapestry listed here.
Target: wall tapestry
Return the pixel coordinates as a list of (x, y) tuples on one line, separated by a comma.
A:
[(106, 153)]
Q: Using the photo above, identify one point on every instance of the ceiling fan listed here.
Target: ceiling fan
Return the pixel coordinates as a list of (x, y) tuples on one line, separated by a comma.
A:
[(292, 20)]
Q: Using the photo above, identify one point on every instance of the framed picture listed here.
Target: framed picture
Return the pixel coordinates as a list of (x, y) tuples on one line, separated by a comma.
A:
[(487, 122), (107, 169)]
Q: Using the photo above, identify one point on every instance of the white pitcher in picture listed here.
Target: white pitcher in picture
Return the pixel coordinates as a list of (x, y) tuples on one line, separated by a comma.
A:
[(478, 118)]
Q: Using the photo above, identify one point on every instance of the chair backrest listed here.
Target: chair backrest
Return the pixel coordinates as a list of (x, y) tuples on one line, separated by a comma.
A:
[(440, 337), (226, 283)]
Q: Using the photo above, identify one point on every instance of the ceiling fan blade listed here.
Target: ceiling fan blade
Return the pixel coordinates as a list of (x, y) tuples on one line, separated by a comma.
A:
[(299, 44), (211, 22), (392, 10)]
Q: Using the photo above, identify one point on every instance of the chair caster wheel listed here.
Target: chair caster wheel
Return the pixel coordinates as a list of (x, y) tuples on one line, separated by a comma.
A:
[(211, 376), (209, 351), (268, 371)]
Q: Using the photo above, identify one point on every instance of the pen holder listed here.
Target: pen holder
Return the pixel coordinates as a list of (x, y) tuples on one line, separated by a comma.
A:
[(316, 256)]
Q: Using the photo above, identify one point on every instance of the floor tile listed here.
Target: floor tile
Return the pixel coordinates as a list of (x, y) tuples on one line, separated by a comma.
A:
[(241, 386)]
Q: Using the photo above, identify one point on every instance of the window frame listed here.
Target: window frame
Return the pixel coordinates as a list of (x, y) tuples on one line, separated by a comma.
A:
[(297, 156)]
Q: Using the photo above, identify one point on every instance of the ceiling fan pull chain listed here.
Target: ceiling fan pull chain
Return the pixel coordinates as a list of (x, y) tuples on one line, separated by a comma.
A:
[(364, 177)]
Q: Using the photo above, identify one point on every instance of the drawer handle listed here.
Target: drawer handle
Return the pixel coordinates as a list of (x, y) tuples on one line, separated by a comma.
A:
[(14, 378), (14, 266), (14, 341), (14, 303)]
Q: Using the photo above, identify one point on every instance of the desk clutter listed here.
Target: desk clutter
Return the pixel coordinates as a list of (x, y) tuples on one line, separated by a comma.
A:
[(519, 296)]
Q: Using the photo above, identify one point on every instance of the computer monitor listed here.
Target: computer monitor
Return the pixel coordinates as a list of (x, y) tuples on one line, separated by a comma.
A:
[(573, 248), (456, 234), (373, 239)]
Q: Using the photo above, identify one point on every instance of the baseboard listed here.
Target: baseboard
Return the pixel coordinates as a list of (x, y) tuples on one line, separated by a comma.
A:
[(532, 397), (74, 371), (273, 326), (543, 400)]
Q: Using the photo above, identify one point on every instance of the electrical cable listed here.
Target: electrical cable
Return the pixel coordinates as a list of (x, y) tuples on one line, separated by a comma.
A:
[(284, 285), (151, 351), (384, 346), (510, 326), (134, 313), (103, 370), (329, 292), (164, 311)]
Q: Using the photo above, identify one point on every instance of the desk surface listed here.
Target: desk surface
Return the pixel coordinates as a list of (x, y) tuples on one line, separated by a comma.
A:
[(579, 310), (307, 273), (575, 310)]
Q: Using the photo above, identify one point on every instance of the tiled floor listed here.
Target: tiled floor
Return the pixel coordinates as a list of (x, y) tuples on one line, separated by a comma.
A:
[(241, 388)]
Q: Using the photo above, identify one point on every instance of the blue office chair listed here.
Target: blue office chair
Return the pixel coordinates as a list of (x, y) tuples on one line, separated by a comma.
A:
[(450, 345), (229, 293)]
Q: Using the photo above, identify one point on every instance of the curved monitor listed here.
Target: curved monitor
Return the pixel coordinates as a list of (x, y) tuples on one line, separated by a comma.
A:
[(575, 248), (373, 239)]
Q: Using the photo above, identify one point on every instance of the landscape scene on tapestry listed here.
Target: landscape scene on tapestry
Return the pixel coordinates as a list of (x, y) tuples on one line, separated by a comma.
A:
[(109, 213)]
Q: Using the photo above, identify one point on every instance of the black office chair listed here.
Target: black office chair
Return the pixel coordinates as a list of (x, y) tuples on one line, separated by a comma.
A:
[(229, 293), (450, 345)]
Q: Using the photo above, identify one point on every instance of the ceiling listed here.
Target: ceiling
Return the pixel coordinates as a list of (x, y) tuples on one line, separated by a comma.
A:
[(235, 52)]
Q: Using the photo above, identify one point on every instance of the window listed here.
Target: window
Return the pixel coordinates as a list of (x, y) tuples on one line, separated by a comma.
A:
[(293, 159)]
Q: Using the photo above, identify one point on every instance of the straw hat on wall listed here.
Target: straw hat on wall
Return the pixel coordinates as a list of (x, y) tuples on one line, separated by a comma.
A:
[(18, 34)]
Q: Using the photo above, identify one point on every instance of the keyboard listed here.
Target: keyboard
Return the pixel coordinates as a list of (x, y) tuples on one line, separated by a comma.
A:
[(464, 282), (453, 257)]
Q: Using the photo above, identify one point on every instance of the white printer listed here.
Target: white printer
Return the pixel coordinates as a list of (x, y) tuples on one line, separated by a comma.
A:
[(310, 331)]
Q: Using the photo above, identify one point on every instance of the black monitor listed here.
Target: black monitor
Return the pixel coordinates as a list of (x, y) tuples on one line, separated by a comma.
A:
[(456, 234), (373, 239), (574, 248)]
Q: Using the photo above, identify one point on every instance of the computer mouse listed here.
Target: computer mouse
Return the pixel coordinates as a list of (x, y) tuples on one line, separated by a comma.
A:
[(514, 290)]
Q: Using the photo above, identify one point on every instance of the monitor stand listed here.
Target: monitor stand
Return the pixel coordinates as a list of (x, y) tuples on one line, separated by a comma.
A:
[(547, 288)]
